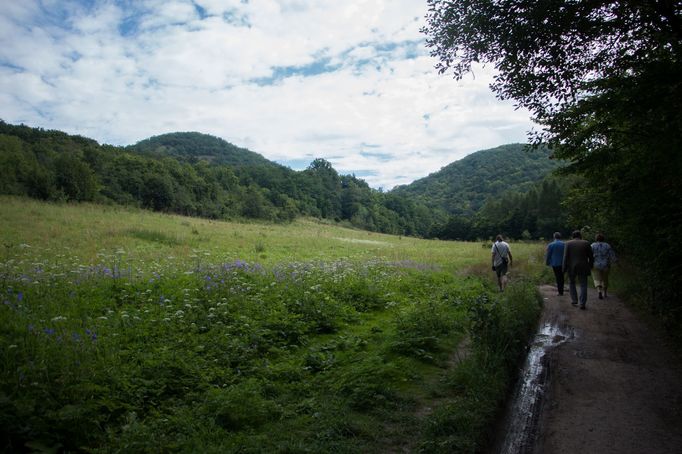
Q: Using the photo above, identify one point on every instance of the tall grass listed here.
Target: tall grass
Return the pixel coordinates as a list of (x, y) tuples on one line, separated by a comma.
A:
[(476, 390), (128, 331)]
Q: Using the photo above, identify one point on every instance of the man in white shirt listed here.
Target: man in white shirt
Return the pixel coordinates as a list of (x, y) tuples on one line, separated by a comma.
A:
[(502, 260)]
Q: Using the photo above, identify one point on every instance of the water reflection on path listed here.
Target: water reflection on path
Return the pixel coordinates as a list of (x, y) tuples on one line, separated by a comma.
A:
[(523, 416)]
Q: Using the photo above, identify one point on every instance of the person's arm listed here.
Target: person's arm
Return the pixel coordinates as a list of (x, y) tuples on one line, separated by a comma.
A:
[(510, 255)]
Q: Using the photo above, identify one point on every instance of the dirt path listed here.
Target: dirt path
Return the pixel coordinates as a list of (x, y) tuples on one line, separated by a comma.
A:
[(613, 387)]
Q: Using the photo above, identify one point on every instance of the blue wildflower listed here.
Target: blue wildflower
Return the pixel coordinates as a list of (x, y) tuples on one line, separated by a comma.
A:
[(20, 296)]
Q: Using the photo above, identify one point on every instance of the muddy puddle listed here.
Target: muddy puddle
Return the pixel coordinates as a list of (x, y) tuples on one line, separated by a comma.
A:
[(521, 421)]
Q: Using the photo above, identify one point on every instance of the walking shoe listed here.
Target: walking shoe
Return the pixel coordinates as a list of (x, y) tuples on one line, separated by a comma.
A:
[(575, 303)]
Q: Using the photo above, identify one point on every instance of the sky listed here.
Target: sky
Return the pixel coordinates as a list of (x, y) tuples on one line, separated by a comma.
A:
[(348, 81)]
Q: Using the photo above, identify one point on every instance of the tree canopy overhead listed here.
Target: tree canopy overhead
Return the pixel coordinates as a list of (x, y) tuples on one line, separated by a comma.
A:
[(549, 53)]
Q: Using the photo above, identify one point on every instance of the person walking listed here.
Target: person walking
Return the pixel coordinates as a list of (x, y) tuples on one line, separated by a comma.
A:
[(502, 260), (578, 261), (554, 257), (604, 257)]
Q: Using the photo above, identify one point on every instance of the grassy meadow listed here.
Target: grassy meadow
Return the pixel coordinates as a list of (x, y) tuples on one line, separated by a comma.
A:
[(123, 330)]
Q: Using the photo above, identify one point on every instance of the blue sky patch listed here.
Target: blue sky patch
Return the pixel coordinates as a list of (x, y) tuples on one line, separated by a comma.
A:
[(315, 68), (382, 157), (200, 11)]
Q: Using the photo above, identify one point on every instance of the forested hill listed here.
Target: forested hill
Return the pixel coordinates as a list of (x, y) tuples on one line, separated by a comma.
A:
[(462, 187), (199, 175), (194, 146)]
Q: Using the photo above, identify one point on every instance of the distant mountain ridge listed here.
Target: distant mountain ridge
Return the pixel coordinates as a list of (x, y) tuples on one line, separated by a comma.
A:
[(462, 187), (195, 146)]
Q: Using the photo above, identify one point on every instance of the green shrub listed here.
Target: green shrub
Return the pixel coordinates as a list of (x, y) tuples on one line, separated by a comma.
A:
[(499, 329), (419, 327)]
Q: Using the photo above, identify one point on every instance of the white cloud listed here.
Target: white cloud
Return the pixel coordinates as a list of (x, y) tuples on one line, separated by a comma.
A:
[(289, 79)]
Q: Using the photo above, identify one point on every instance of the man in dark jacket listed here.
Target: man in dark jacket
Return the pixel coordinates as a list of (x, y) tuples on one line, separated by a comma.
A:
[(578, 262)]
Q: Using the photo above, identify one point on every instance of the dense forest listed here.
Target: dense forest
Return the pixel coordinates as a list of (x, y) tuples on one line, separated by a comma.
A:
[(200, 175), (462, 187)]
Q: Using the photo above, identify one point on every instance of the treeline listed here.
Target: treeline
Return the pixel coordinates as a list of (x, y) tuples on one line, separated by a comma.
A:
[(199, 175), (534, 214), (52, 165)]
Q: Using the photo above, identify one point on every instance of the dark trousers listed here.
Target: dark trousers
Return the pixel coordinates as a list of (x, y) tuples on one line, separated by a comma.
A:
[(559, 275), (582, 280)]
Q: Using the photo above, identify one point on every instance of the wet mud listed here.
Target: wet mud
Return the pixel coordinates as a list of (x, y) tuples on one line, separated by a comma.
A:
[(520, 425), (594, 381)]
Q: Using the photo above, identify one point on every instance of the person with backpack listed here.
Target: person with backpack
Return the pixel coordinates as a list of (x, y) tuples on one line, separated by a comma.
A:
[(502, 260)]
